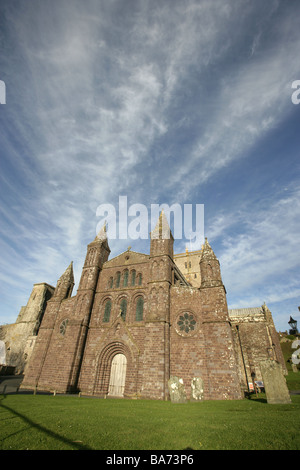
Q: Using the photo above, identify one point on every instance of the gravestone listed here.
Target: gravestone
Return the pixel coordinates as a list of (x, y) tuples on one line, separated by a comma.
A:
[(197, 389), (294, 368), (274, 382), (176, 390)]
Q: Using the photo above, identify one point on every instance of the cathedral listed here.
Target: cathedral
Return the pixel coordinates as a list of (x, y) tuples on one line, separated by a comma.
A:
[(138, 319)]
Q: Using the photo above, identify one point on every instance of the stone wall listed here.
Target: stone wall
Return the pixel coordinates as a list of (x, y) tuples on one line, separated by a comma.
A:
[(20, 337), (255, 340)]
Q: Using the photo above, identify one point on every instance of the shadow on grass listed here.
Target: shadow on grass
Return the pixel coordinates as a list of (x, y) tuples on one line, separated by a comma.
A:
[(54, 435), (260, 400), (261, 397)]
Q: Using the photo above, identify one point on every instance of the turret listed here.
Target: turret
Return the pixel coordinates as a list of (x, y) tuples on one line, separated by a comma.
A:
[(209, 267), (65, 284), (97, 253), (161, 238)]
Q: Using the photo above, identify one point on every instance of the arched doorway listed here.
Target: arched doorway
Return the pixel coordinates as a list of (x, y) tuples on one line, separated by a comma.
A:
[(117, 376)]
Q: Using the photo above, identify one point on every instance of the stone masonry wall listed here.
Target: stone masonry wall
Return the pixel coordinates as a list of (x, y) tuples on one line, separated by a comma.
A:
[(201, 343), (20, 337), (255, 340)]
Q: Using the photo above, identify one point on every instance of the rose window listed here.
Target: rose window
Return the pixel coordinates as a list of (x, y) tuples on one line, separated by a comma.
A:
[(186, 323), (63, 327)]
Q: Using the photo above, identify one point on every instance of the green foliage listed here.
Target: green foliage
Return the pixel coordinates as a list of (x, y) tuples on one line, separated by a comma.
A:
[(69, 422)]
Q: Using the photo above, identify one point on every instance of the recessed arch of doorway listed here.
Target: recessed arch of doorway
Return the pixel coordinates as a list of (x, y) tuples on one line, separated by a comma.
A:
[(106, 363)]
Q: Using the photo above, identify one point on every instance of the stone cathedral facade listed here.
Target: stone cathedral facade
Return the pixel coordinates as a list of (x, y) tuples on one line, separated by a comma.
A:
[(137, 320)]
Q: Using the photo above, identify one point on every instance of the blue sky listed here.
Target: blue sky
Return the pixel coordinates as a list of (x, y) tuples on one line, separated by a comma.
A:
[(164, 101)]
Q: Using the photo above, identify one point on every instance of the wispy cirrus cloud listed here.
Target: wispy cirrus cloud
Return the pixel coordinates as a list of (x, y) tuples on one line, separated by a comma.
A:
[(149, 99), (259, 255)]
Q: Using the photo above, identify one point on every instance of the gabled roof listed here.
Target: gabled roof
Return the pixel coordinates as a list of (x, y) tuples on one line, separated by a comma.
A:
[(127, 258), (245, 311)]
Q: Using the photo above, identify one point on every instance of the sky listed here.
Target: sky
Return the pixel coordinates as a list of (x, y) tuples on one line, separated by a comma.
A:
[(161, 102)]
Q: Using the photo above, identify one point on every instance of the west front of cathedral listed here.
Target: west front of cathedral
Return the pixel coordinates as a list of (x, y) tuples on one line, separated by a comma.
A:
[(138, 319)]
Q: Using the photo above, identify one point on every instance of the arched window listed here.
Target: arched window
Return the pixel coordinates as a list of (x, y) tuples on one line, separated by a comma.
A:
[(123, 308), (139, 309), (133, 276), (118, 279), (107, 311), (125, 280), (111, 283), (140, 279)]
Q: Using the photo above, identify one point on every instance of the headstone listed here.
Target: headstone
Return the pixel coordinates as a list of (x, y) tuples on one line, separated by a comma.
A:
[(176, 390), (294, 368), (274, 382), (197, 389)]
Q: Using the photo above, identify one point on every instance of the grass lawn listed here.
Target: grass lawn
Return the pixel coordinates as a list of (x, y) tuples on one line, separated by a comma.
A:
[(293, 381), (69, 422)]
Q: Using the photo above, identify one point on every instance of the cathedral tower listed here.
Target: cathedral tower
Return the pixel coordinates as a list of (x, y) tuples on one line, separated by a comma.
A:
[(220, 354), (157, 338), (57, 355), (39, 355), (97, 254)]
